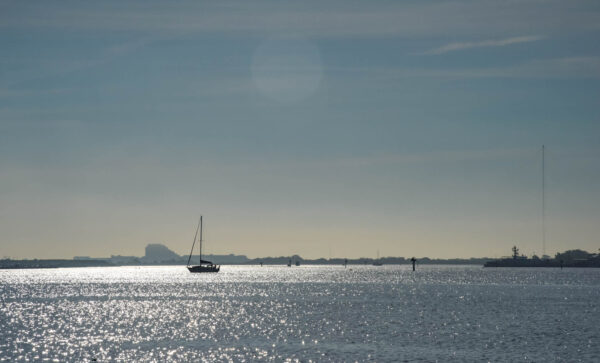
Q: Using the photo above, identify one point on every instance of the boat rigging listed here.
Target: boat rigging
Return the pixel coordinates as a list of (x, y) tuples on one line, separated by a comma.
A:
[(204, 265)]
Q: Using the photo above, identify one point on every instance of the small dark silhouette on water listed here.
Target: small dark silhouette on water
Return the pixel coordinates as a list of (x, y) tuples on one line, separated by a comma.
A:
[(378, 262), (413, 260), (204, 265), (570, 258)]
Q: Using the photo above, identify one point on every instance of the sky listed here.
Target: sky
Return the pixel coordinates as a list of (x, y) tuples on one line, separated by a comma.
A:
[(318, 128)]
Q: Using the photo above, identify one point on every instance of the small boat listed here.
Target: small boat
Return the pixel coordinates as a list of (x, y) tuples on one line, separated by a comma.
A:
[(204, 266), (377, 262)]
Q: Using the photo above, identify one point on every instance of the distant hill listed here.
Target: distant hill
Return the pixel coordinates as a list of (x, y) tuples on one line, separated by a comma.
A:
[(157, 252)]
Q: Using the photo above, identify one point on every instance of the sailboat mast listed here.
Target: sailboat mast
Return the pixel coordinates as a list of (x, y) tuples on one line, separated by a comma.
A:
[(543, 201), (194, 243), (200, 240)]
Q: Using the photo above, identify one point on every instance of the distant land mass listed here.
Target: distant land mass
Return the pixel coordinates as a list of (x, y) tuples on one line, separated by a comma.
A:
[(159, 254), (570, 258)]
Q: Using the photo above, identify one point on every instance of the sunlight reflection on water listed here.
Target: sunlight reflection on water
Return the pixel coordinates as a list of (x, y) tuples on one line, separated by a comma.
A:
[(315, 313)]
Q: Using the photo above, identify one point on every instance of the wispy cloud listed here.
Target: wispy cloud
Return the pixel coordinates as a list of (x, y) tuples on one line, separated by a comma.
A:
[(452, 47), (582, 67), (52, 69)]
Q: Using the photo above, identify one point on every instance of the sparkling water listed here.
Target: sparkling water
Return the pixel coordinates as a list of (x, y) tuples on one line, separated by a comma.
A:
[(306, 313)]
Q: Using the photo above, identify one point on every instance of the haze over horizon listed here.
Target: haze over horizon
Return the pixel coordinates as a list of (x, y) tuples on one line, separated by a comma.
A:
[(314, 128)]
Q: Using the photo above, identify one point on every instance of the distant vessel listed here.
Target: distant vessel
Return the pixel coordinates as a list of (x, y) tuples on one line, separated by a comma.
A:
[(377, 262), (204, 266)]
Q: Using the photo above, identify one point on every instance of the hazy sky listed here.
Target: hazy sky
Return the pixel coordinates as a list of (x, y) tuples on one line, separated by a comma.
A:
[(299, 127)]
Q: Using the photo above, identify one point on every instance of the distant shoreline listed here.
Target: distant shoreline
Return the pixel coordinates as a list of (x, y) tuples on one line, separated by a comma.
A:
[(10, 264), (160, 255), (53, 264)]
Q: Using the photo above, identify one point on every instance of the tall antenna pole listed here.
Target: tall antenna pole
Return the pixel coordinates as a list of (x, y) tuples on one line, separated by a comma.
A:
[(543, 201)]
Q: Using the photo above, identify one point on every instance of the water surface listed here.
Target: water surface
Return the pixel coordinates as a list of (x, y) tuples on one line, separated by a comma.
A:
[(318, 313)]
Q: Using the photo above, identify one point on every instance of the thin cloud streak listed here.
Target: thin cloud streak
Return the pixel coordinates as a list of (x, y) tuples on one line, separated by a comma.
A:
[(582, 67), (452, 47)]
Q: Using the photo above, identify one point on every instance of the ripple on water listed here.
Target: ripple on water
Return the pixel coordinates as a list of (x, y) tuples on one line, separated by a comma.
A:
[(315, 313)]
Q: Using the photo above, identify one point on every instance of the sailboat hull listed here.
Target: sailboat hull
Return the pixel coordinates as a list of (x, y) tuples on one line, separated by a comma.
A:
[(201, 268)]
